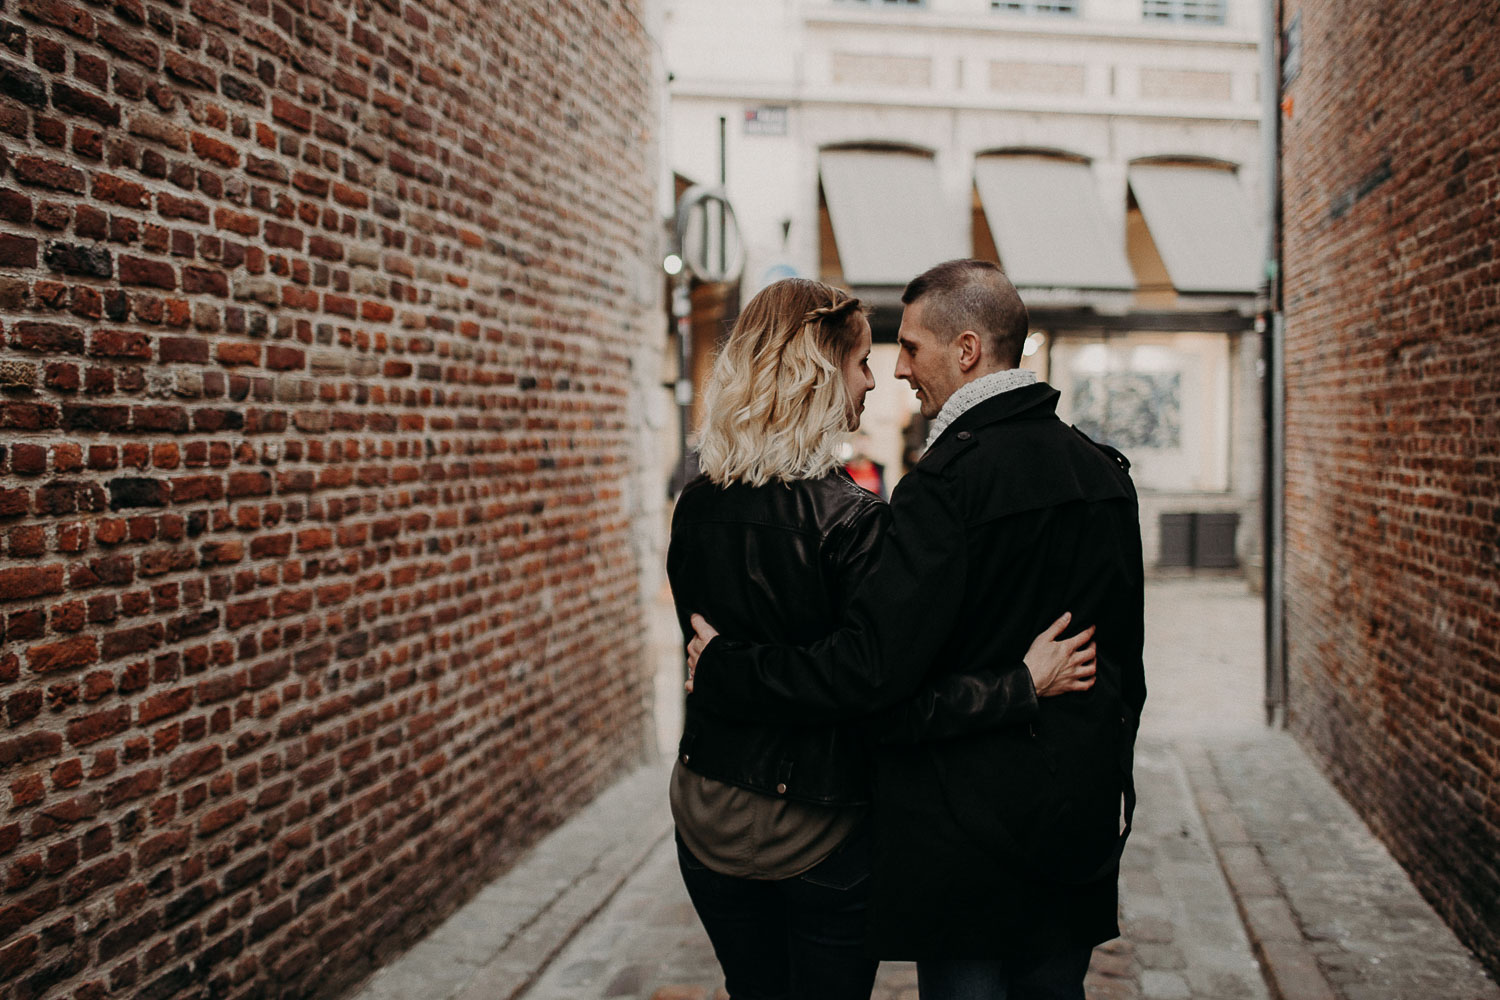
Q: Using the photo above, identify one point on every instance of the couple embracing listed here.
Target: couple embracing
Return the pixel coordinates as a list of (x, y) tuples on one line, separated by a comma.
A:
[(913, 738)]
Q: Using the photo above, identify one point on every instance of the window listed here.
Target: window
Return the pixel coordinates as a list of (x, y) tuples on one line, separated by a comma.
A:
[(884, 3), (1067, 8), (1185, 11)]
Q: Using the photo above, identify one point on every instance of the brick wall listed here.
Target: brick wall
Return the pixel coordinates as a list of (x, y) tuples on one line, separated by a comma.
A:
[(1392, 295), (322, 325)]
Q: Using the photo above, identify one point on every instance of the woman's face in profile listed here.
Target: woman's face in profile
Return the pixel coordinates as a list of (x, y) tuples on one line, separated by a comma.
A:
[(858, 379)]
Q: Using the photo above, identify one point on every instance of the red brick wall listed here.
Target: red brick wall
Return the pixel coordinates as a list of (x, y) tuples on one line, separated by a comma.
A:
[(319, 325), (1391, 170)]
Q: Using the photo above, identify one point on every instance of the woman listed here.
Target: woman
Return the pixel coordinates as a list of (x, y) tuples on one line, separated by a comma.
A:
[(769, 544)]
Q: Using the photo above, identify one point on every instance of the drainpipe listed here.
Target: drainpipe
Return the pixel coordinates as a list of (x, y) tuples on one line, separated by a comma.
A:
[(1273, 328)]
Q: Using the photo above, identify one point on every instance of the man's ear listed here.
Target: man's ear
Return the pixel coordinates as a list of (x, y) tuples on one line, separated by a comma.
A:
[(970, 350)]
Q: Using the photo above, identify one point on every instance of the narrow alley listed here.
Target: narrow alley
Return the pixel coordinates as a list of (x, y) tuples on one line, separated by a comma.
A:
[(352, 353), (1247, 877)]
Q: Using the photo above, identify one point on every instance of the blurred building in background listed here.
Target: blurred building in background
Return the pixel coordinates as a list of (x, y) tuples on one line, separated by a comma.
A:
[(1106, 152)]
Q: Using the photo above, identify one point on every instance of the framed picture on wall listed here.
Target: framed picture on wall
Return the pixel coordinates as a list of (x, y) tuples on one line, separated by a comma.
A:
[(1162, 399)]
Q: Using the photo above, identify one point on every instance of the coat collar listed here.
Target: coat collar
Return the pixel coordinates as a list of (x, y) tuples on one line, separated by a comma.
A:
[(1030, 402)]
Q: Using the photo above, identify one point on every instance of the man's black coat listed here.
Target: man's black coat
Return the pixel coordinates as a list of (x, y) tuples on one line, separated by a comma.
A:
[(992, 841)]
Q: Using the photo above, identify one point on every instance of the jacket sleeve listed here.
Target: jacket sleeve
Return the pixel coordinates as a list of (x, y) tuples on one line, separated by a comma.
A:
[(959, 704), (900, 614)]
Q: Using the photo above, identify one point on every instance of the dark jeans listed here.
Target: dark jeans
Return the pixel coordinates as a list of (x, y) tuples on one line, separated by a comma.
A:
[(799, 938), (1058, 978)]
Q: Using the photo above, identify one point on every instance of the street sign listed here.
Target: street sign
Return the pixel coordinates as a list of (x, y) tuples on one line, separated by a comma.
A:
[(708, 237), (768, 119)]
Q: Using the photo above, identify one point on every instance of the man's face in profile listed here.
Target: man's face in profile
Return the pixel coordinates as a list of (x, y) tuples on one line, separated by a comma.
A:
[(926, 363)]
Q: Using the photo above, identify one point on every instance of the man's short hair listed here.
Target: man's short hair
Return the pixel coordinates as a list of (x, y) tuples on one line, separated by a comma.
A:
[(959, 295)]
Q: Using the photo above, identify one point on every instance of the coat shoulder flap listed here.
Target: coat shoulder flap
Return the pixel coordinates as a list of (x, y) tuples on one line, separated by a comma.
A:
[(946, 450), (1112, 452)]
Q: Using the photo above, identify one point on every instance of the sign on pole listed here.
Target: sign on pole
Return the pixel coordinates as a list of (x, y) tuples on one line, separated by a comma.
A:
[(708, 238)]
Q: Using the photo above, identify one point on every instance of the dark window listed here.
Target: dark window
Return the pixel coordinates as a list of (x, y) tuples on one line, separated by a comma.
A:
[(1184, 11), (1065, 8)]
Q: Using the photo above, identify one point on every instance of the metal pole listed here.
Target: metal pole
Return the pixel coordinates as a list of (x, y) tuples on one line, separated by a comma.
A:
[(1276, 618), (1274, 498), (682, 314), (723, 180)]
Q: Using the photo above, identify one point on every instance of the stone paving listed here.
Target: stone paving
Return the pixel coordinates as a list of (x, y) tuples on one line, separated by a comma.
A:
[(1177, 915), (1372, 934), (498, 944), (1247, 877)]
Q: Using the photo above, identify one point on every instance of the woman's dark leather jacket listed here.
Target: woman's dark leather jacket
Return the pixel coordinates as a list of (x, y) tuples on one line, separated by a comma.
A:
[(778, 564), (774, 563)]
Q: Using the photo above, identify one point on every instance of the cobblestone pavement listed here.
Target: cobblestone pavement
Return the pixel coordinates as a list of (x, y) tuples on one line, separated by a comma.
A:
[(1372, 934), (1247, 877), (1183, 938)]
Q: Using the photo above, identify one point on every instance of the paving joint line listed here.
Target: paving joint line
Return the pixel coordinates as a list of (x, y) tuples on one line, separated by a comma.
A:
[(529, 914), (549, 956), (1288, 966)]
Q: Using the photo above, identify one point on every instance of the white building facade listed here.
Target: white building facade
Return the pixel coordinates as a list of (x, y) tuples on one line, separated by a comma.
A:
[(1106, 153)]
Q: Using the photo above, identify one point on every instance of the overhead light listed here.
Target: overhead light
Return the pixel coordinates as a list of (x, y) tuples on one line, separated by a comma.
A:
[(672, 265), (1033, 344)]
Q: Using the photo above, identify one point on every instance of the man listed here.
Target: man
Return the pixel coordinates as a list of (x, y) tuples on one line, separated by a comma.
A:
[(997, 852)]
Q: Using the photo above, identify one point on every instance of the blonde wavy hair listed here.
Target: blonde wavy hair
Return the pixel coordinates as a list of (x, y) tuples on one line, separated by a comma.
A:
[(776, 405)]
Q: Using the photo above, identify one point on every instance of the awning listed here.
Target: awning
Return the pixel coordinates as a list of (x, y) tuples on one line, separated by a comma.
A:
[(1202, 225), (1049, 224), (888, 215)]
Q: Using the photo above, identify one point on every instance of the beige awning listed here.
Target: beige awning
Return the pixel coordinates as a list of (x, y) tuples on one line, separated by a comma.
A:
[(1049, 224), (1201, 222), (888, 215)]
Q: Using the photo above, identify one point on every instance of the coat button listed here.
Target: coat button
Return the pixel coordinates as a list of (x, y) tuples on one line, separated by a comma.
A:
[(684, 758), (781, 788), (963, 435)]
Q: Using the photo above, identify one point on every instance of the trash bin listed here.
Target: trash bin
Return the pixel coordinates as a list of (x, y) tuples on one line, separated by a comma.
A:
[(1175, 541), (1213, 541)]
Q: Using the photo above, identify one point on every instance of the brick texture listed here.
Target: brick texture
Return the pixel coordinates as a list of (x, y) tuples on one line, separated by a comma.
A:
[(321, 332), (1392, 299)]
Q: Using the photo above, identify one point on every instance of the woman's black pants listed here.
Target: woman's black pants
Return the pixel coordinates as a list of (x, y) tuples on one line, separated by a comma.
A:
[(799, 938)]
